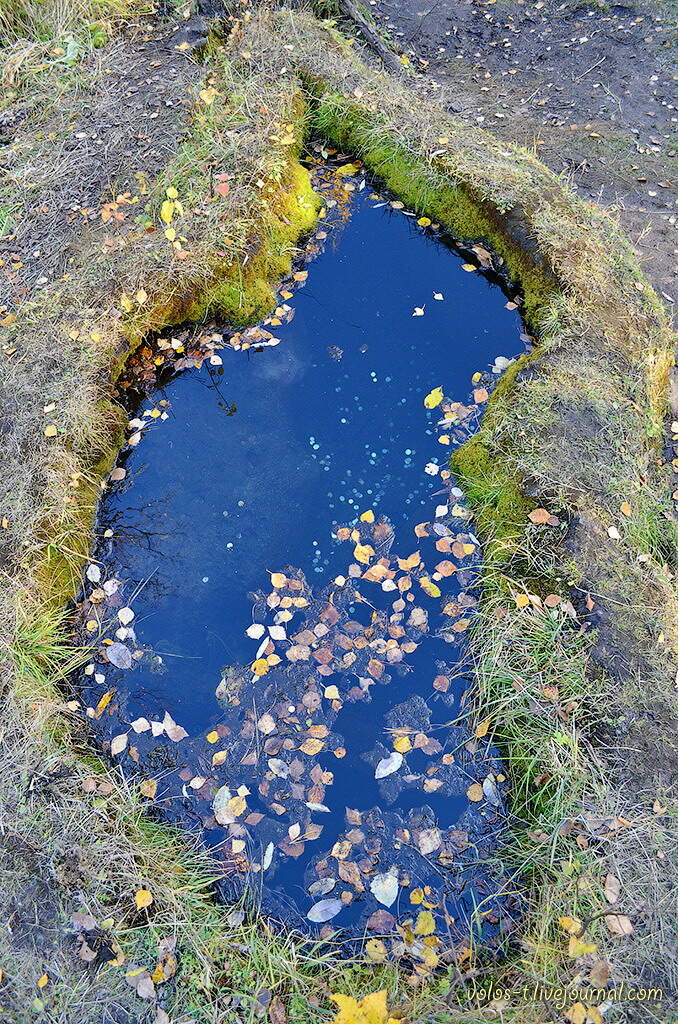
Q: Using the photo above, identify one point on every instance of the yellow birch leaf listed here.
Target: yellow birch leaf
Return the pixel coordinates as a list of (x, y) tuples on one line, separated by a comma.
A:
[(429, 587), (425, 923), (433, 398), (143, 898), (167, 211), (362, 553)]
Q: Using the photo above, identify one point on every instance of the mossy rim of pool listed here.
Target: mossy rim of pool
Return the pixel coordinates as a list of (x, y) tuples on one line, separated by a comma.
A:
[(596, 293)]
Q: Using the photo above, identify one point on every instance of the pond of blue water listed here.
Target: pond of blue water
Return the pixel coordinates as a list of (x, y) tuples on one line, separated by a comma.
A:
[(257, 462)]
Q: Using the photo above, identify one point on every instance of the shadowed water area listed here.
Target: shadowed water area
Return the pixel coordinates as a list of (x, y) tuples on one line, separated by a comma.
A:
[(301, 571)]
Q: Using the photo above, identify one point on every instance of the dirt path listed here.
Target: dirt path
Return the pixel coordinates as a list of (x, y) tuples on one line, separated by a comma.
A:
[(110, 139), (590, 88)]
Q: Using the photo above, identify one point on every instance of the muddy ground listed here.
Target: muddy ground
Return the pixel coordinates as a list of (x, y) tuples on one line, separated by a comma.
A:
[(591, 88)]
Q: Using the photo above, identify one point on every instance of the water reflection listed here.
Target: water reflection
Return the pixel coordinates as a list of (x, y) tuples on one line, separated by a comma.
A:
[(265, 460)]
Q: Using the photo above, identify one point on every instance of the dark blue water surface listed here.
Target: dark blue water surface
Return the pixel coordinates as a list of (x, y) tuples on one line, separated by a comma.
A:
[(252, 467)]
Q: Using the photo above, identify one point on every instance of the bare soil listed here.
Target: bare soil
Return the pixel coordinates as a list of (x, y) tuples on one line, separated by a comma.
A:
[(591, 88)]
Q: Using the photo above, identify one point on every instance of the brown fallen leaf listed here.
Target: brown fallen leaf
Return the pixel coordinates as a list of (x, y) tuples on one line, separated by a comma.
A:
[(612, 888), (619, 924)]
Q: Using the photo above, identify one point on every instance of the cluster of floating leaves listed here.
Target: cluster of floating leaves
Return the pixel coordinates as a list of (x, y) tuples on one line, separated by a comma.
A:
[(265, 774)]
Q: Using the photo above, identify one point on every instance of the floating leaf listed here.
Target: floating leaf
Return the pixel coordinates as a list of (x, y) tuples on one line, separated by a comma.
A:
[(475, 792), (425, 923), (118, 743), (388, 765), (119, 655), (384, 888), (362, 553), (125, 615), (433, 398), (324, 910)]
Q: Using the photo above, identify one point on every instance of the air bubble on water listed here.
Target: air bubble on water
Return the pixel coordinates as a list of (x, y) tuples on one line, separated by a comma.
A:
[(241, 504), (229, 545), (205, 579)]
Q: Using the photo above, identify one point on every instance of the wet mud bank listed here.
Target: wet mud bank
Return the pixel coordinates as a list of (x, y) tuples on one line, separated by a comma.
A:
[(285, 574)]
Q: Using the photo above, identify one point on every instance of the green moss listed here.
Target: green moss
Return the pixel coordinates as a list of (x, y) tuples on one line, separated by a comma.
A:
[(455, 206), (500, 508)]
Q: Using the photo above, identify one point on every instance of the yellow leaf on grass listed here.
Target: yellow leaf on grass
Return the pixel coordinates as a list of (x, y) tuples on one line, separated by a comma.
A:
[(522, 600), (43, 981), (424, 221), (576, 1013), (579, 947), (376, 951), (208, 95), (433, 398), (50, 431), (371, 1009), (171, 193), (481, 728), (143, 898), (170, 234), (569, 924), (167, 211), (126, 303)]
